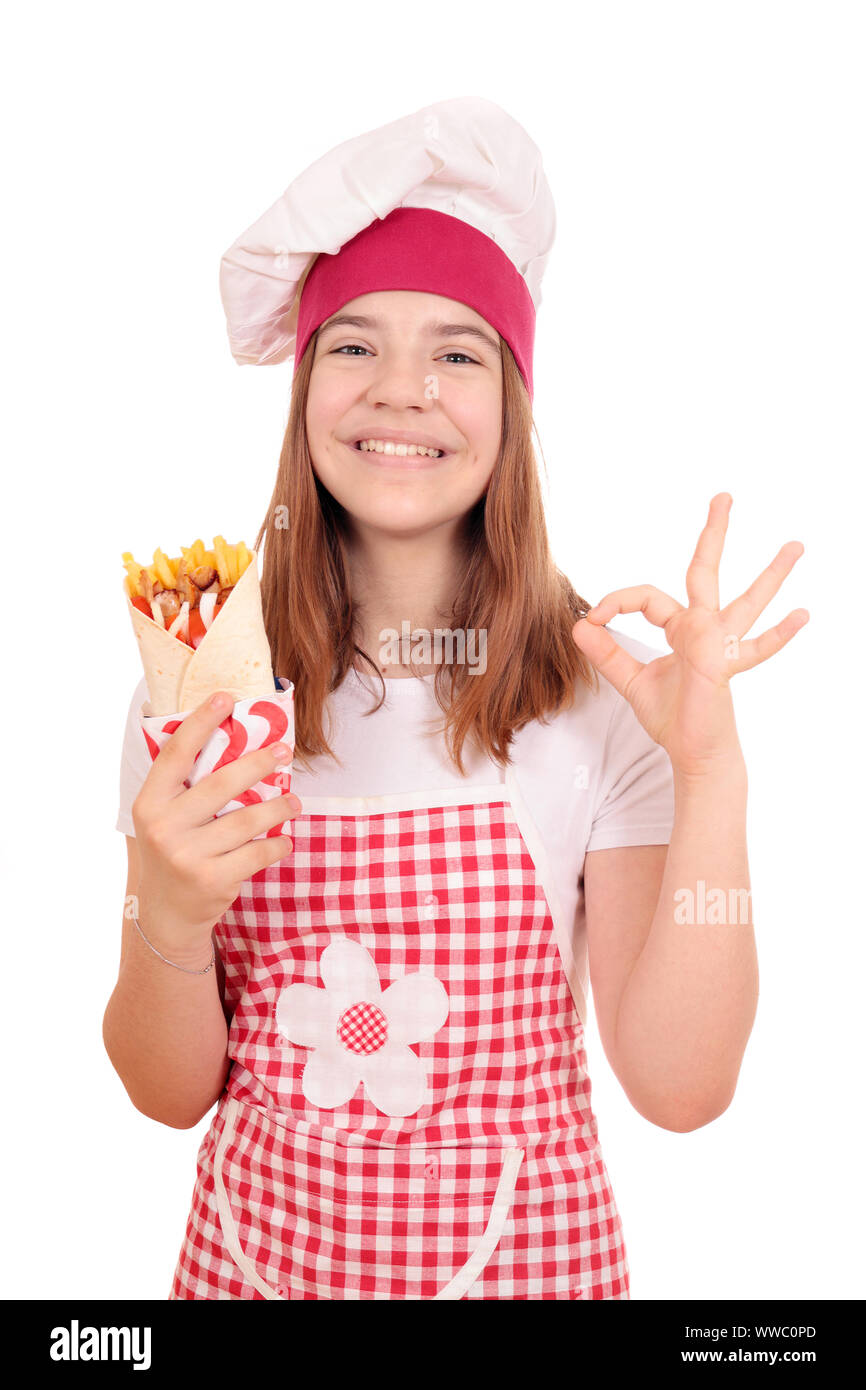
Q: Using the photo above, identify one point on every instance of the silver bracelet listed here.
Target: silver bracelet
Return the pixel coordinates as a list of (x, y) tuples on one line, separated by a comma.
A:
[(171, 962)]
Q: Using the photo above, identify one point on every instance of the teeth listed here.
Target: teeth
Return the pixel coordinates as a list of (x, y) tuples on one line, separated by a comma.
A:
[(387, 446)]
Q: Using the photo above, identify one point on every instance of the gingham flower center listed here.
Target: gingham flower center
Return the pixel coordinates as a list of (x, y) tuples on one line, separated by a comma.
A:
[(363, 1028)]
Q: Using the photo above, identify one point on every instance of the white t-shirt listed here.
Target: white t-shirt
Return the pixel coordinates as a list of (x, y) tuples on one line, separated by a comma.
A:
[(590, 778)]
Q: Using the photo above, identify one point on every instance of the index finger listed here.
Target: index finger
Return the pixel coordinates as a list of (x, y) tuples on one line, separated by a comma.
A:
[(702, 575), (175, 760)]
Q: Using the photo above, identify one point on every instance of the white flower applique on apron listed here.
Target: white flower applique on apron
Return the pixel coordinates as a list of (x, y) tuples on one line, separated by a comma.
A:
[(361, 1033)]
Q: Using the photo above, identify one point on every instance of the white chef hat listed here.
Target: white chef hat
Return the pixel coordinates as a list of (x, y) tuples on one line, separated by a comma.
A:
[(451, 200)]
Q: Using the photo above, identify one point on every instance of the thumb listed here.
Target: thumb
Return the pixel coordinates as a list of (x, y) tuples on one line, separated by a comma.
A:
[(606, 655)]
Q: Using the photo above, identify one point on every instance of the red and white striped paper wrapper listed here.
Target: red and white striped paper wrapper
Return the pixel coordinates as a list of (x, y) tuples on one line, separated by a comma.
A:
[(252, 724)]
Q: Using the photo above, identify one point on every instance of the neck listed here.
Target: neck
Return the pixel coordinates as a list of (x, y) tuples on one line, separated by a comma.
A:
[(402, 579)]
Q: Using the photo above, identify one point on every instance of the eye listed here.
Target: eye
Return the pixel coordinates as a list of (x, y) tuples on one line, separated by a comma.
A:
[(469, 359), (349, 345)]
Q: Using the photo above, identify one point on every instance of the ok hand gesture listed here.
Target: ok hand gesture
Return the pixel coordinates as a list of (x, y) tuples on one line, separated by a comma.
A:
[(683, 700)]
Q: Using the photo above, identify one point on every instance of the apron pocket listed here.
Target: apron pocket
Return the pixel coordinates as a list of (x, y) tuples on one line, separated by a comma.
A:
[(305, 1218)]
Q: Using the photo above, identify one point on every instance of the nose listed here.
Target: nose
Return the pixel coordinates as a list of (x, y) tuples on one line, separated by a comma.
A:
[(403, 381)]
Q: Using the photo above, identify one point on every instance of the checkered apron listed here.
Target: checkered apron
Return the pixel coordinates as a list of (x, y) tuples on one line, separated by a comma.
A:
[(408, 1111)]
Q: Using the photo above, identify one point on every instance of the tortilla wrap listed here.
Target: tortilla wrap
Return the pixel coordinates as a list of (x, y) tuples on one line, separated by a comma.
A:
[(233, 655)]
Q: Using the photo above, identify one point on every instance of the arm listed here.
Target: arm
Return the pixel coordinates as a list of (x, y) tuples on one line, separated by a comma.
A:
[(676, 1000), (681, 987), (165, 1031)]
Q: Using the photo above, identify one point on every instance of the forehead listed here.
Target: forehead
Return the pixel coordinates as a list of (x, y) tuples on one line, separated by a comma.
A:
[(409, 309)]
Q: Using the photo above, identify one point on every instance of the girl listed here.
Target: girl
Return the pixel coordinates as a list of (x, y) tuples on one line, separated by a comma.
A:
[(388, 1006)]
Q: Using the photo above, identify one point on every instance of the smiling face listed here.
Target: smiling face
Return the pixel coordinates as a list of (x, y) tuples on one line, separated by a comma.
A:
[(409, 367)]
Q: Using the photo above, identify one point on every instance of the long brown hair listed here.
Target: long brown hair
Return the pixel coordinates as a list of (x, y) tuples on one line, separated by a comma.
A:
[(510, 588)]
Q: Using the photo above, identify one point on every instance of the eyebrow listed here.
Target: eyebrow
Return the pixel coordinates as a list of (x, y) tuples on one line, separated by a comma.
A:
[(434, 328)]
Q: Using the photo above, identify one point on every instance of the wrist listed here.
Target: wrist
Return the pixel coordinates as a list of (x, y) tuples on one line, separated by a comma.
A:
[(723, 776), (190, 950)]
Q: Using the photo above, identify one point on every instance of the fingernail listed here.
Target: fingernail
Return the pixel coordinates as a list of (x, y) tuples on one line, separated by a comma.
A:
[(219, 702), (279, 752)]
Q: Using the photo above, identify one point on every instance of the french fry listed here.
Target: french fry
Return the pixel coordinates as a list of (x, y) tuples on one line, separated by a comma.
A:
[(150, 575), (244, 557), (133, 572), (163, 569), (222, 565)]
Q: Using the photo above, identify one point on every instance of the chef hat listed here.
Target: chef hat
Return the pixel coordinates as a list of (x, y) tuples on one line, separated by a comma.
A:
[(450, 200)]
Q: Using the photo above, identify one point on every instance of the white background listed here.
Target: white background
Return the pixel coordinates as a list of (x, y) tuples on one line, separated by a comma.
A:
[(701, 330)]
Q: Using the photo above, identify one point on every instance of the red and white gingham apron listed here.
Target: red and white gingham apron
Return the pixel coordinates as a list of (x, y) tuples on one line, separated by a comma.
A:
[(408, 1111)]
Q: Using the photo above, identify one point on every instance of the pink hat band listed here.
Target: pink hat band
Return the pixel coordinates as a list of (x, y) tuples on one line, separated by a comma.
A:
[(421, 249)]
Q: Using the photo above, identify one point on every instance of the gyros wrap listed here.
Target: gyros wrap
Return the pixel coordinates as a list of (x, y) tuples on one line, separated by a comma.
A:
[(199, 624)]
